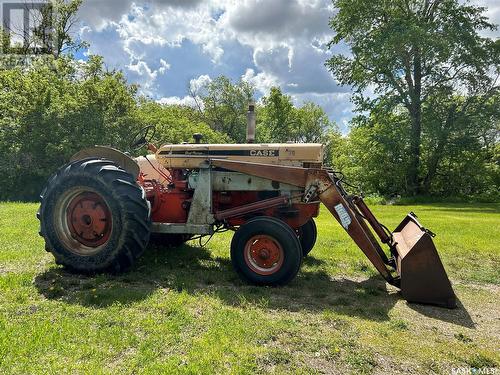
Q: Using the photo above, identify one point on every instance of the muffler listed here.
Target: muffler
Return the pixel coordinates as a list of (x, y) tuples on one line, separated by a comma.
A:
[(423, 278)]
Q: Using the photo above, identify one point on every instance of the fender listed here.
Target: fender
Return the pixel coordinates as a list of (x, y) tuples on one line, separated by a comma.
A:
[(109, 153)]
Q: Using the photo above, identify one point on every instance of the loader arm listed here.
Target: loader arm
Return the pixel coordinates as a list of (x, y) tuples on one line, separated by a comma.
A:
[(414, 265)]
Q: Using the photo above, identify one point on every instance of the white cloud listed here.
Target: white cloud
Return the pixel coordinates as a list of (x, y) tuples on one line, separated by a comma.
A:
[(99, 13), (164, 66), (261, 81), (169, 26), (493, 13), (269, 23), (146, 76), (278, 31), (175, 100), (197, 84), (286, 39)]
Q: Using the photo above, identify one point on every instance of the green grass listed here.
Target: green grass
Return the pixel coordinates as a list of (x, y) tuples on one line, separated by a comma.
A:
[(185, 311)]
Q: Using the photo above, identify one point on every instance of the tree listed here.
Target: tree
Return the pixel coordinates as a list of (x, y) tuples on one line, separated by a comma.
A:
[(49, 113), (281, 121), (461, 134), (53, 30), (56, 26), (175, 124), (375, 154), (225, 105), (313, 124), (412, 51), (459, 150), (278, 117)]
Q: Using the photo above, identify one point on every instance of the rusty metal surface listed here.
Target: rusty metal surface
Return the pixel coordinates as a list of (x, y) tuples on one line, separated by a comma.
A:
[(200, 211), (177, 228), (235, 181), (328, 194), (191, 155), (340, 209), (289, 175), (373, 240), (252, 207), (251, 123), (374, 223), (423, 277)]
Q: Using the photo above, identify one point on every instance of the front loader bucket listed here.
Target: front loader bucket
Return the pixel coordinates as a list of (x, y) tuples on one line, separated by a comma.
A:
[(423, 277)]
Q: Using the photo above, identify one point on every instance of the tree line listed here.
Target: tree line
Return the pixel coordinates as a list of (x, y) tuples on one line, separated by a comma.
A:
[(430, 124), (424, 84), (51, 111)]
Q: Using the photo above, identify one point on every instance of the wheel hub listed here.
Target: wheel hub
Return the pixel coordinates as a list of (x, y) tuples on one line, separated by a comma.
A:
[(89, 219), (264, 255)]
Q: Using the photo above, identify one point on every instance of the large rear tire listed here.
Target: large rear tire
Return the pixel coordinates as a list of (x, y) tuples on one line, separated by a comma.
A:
[(94, 217), (308, 233), (266, 251)]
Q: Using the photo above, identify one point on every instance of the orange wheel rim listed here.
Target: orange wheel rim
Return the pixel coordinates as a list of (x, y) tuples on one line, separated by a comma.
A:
[(264, 255), (89, 219)]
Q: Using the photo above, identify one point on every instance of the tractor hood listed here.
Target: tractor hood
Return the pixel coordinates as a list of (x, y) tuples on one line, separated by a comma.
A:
[(192, 155)]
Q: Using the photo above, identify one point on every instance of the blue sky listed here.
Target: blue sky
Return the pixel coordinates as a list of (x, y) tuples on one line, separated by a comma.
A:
[(171, 47)]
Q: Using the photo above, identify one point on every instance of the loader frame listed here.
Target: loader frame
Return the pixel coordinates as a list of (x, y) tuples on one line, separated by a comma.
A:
[(412, 250)]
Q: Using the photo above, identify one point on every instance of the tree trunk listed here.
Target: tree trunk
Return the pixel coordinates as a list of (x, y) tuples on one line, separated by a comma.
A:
[(416, 124), (436, 156), (416, 135), (432, 167)]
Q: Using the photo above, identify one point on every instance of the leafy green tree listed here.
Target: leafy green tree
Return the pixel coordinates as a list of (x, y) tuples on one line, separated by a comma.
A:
[(459, 149), (60, 18), (53, 32), (280, 121), (410, 51), (375, 154), (176, 124), (313, 124), (461, 134), (49, 113), (225, 105), (4, 41), (278, 117)]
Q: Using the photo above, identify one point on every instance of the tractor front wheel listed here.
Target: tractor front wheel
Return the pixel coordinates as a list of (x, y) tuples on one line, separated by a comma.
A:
[(266, 251), (94, 217), (308, 234)]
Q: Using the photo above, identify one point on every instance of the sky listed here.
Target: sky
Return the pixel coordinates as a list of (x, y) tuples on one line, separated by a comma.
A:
[(170, 47)]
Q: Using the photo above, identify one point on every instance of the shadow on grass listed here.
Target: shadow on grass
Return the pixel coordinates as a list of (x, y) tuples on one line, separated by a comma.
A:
[(194, 271), (459, 316)]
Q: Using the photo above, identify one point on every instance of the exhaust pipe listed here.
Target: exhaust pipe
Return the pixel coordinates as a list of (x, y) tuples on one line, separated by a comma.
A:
[(251, 120)]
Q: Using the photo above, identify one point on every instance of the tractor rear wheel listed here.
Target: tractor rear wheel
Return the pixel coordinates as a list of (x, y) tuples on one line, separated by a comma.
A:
[(308, 234), (266, 251), (94, 217)]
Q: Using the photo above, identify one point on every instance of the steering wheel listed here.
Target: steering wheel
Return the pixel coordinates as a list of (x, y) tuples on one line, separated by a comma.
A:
[(143, 137)]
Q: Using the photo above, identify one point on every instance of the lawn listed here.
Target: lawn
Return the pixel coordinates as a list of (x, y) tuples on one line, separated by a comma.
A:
[(185, 311)]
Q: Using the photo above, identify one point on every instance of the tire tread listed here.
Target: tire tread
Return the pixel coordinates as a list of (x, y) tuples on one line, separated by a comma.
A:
[(135, 231)]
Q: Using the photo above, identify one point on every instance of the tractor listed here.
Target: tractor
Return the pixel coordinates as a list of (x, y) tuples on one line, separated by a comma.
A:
[(99, 212)]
